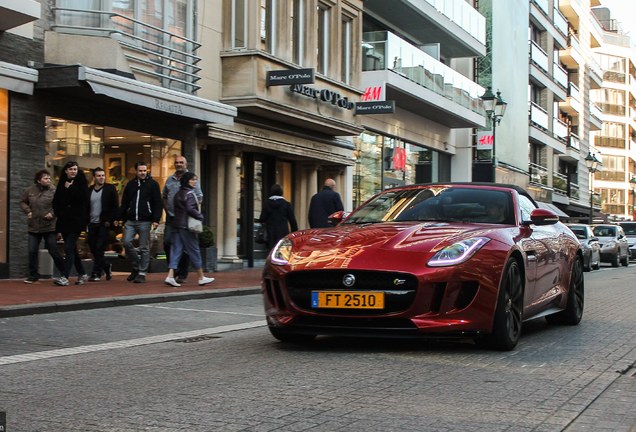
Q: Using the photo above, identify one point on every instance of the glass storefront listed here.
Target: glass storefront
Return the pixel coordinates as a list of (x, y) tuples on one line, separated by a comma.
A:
[(383, 162), (115, 150)]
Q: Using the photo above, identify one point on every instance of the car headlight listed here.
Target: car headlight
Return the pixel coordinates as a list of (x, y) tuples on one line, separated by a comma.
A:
[(611, 244), (458, 252), (281, 252)]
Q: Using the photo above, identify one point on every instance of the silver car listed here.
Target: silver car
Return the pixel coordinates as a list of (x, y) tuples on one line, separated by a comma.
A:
[(613, 242), (589, 244), (630, 232)]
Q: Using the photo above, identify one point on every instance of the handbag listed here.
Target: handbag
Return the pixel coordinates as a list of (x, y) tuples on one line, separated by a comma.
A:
[(261, 235), (195, 225)]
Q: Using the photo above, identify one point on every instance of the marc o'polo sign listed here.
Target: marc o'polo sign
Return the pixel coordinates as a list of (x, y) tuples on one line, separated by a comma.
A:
[(290, 77), (323, 95), (375, 107)]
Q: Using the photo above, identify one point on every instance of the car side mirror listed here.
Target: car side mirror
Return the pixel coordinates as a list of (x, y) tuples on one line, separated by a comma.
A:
[(337, 217), (541, 216)]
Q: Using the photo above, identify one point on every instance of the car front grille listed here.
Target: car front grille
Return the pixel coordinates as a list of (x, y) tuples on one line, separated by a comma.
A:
[(399, 288)]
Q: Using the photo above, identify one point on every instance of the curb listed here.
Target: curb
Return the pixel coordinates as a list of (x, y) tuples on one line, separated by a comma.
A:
[(97, 303)]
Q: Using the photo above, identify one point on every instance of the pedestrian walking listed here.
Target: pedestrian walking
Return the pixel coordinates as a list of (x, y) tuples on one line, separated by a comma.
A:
[(70, 204), (37, 203), (141, 209), (170, 189), (103, 207), (323, 204), (278, 217), (183, 240)]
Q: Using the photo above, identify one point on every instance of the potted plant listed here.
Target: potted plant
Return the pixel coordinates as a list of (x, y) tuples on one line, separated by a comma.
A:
[(208, 250)]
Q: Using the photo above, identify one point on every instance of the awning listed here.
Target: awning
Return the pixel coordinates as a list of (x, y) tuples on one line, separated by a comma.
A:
[(554, 209), (138, 93), (16, 78)]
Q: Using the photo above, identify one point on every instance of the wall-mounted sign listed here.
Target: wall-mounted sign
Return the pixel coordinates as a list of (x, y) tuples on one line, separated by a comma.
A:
[(290, 76), (485, 140), (324, 95), (375, 107)]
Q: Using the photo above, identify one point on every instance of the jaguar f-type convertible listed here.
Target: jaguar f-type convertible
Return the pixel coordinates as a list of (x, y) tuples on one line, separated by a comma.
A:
[(434, 260)]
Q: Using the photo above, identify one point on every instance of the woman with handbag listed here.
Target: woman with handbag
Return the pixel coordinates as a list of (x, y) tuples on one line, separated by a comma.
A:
[(185, 230), (278, 217)]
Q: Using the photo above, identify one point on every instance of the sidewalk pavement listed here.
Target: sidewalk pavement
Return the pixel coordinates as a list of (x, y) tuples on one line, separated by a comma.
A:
[(18, 298)]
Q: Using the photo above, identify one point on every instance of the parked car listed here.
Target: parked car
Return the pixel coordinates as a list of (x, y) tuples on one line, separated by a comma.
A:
[(589, 244), (437, 260), (613, 242), (630, 232)]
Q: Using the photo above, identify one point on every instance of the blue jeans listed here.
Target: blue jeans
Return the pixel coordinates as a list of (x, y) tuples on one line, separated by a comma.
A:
[(71, 256), (50, 242), (183, 240), (184, 263), (140, 259)]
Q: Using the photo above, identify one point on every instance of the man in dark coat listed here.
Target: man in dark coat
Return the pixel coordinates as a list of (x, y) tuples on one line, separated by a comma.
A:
[(323, 204), (278, 217), (103, 207), (141, 208)]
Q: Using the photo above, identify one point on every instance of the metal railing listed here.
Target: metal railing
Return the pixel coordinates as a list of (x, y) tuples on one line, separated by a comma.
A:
[(539, 116), (464, 15), (384, 50), (165, 58), (560, 183), (538, 56), (538, 174)]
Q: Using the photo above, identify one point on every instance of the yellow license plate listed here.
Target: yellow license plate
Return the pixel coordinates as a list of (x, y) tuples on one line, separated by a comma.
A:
[(347, 300)]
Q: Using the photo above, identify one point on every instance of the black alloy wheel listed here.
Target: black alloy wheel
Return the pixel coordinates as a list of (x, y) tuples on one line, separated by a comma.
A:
[(576, 298), (509, 312)]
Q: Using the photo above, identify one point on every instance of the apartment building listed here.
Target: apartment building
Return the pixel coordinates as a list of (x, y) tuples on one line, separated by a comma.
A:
[(420, 55), (616, 184)]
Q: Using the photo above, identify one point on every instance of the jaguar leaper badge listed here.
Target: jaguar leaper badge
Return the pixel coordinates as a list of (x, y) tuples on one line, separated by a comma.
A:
[(348, 280)]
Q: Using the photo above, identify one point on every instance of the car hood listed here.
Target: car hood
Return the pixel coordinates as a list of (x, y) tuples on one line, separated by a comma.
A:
[(382, 244)]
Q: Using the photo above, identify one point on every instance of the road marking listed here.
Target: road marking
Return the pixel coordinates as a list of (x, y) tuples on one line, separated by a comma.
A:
[(202, 310), (42, 355)]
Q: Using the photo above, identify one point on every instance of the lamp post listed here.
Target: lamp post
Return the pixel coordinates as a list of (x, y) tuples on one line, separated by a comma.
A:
[(495, 108), (592, 166)]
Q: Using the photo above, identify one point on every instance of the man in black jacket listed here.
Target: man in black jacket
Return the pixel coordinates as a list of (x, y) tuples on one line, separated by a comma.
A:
[(103, 208), (323, 204), (141, 209)]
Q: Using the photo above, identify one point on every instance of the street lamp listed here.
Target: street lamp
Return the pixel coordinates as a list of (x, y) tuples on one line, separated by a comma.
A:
[(495, 108), (592, 166)]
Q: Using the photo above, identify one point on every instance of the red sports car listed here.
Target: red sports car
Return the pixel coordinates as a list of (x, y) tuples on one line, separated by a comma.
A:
[(434, 260)]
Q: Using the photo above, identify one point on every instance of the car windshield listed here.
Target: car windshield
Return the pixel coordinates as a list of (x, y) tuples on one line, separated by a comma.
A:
[(629, 228), (605, 231), (579, 232), (455, 204)]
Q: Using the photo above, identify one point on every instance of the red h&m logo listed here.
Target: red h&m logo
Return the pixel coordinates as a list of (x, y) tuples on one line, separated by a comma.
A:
[(485, 140), (372, 93)]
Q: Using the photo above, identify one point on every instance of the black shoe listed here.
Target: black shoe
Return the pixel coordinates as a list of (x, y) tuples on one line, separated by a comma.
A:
[(109, 271), (132, 276), (140, 279), (180, 279), (94, 278), (30, 280)]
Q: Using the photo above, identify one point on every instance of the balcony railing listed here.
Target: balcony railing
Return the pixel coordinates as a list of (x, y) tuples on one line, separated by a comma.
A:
[(574, 191), (386, 51), (560, 129), (595, 110), (560, 22), (543, 5), (573, 91), (162, 56), (464, 15), (538, 56), (560, 183), (539, 116), (560, 75), (574, 142), (538, 174)]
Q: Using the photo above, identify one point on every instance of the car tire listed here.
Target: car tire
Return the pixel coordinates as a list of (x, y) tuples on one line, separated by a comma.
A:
[(576, 299), (292, 338), (508, 318), (616, 260), (587, 262), (625, 261)]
